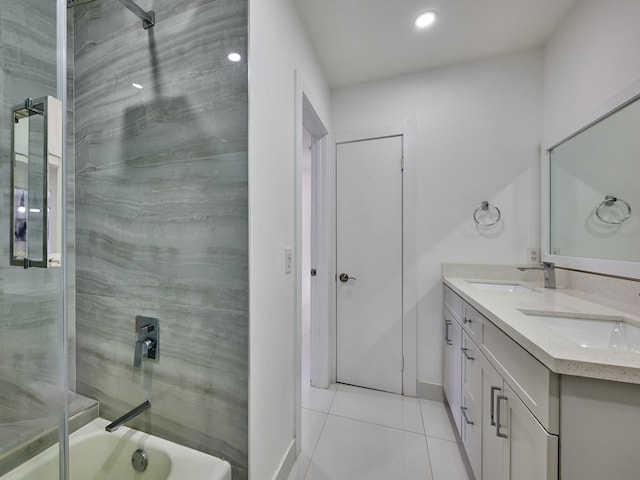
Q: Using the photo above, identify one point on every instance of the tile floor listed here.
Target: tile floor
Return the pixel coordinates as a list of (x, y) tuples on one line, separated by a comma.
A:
[(351, 433)]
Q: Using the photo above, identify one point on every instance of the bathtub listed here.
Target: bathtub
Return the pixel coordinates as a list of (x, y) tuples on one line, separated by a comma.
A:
[(99, 455)]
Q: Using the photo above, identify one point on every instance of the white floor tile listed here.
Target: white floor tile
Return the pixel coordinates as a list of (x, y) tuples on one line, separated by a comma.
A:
[(353, 450), (446, 460), (436, 420), (318, 399), (382, 408), (312, 423)]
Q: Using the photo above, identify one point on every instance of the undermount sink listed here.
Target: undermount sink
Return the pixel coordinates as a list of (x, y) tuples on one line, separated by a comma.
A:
[(501, 287), (603, 333)]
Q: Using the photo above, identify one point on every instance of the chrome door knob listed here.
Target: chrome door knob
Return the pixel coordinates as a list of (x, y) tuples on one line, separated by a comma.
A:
[(345, 278)]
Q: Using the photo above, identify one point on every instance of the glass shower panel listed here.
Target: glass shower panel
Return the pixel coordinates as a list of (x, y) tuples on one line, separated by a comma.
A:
[(32, 364)]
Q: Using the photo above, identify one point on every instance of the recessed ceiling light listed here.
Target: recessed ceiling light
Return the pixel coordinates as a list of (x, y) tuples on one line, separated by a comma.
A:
[(425, 19), (234, 57), (137, 85)]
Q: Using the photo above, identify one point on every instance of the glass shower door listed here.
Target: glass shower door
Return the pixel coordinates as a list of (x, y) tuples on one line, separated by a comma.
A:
[(32, 350)]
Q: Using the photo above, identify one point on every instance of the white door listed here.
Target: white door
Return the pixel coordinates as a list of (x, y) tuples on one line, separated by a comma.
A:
[(369, 263)]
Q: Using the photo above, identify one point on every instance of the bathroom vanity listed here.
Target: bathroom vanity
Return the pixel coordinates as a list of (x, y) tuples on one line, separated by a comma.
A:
[(542, 384)]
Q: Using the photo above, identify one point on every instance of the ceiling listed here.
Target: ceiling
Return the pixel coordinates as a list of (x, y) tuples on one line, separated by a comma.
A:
[(364, 40)]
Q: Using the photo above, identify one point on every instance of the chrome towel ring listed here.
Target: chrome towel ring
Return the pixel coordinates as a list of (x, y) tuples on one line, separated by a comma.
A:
[(609, 201), (485, 207)]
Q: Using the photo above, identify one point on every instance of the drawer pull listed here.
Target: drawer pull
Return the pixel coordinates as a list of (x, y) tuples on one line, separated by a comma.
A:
[(464, 414), (493, 390), (501, 435), (465, 350), (446, 331)]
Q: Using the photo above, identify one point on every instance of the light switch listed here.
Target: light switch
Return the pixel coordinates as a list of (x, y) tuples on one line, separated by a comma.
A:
[(288, 260)]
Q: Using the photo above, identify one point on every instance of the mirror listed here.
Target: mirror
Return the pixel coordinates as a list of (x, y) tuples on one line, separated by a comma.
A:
[(36, 183), (593, 195)]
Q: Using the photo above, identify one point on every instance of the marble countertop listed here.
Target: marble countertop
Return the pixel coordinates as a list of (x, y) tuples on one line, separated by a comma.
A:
[(556, 352)]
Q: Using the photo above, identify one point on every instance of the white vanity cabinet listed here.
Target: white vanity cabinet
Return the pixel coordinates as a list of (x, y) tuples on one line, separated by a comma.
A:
[(508, 410), (471, 408), (514, 444), (452, 361)]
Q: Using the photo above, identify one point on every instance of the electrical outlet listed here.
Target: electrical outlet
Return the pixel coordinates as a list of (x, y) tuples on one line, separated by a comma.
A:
[(533, 255)]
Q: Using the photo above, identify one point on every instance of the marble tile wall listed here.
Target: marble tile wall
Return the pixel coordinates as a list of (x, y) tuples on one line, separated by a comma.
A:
[(30, 380), (162, 220)]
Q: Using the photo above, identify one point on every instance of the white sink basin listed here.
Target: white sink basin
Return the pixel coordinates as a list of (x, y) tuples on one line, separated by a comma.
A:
[(501, 287), (599, 333)]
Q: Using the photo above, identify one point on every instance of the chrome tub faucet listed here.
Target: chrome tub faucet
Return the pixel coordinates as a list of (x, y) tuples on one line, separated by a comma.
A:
[(130, 415)]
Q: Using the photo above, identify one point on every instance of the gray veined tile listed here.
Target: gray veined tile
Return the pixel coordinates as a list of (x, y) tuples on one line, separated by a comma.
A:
[(173, 231), (161, 216), (199, 385)]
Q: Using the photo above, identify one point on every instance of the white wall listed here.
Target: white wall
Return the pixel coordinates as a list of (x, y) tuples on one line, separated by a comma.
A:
[(278, 46), (593, 55), (479, 128)]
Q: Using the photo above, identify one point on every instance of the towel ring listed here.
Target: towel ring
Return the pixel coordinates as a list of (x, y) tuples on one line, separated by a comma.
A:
[(608, 201), (483, 207)]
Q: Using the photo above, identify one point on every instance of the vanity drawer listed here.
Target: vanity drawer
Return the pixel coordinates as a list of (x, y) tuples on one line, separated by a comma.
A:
[(453, 302), (472, 322), (533, 383)]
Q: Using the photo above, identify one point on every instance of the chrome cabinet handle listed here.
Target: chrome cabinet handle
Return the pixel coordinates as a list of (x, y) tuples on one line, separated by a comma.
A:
[(465, 350), (464, 414), (446, 331), (501, 435), (493, 390)]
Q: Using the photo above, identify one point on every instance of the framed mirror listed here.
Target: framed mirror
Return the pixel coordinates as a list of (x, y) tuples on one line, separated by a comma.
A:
[(36, 183), (591, 197)]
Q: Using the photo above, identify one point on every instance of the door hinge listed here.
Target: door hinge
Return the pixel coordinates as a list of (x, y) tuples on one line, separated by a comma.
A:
[(402, 163), (403, 364)]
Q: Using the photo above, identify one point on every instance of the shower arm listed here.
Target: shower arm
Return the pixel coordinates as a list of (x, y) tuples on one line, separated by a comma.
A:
[(148, 18)]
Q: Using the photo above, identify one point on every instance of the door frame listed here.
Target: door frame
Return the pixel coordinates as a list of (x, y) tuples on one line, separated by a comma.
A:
[(408, 129), (322, 254)]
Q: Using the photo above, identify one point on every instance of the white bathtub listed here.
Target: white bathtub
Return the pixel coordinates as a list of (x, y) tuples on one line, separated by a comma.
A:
[(98, 455)]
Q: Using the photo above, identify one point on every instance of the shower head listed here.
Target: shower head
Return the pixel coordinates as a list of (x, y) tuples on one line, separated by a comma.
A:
[(148, 18), (75, 3)]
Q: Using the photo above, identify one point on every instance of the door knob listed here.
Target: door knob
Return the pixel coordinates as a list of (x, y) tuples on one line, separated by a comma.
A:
[(345, 278)]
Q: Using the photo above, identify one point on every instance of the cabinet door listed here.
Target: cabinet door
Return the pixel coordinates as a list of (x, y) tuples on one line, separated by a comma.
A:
[(452, 366), (531, 452), (471, 403), (493, 446)]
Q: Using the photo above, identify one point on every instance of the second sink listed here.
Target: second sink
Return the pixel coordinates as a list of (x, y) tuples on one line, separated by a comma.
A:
[(501, 287), (591, 332)]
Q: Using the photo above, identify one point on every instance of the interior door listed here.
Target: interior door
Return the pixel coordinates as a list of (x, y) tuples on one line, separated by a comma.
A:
[(369, 263)]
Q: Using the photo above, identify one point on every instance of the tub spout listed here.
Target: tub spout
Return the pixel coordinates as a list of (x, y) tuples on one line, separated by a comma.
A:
[(113, 426)]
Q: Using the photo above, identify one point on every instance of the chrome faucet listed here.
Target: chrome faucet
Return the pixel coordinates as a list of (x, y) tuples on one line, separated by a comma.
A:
[(130, 415), (549, 271)]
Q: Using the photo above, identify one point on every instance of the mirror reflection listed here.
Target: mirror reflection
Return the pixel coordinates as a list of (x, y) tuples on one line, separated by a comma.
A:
[(594, 189)]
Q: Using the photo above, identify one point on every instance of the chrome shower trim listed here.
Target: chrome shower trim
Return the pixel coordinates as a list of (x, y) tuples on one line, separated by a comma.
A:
[(148, 18)]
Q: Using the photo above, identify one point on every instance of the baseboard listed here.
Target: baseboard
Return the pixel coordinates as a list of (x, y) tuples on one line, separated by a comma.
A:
[(430, 391), (287, 463)]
